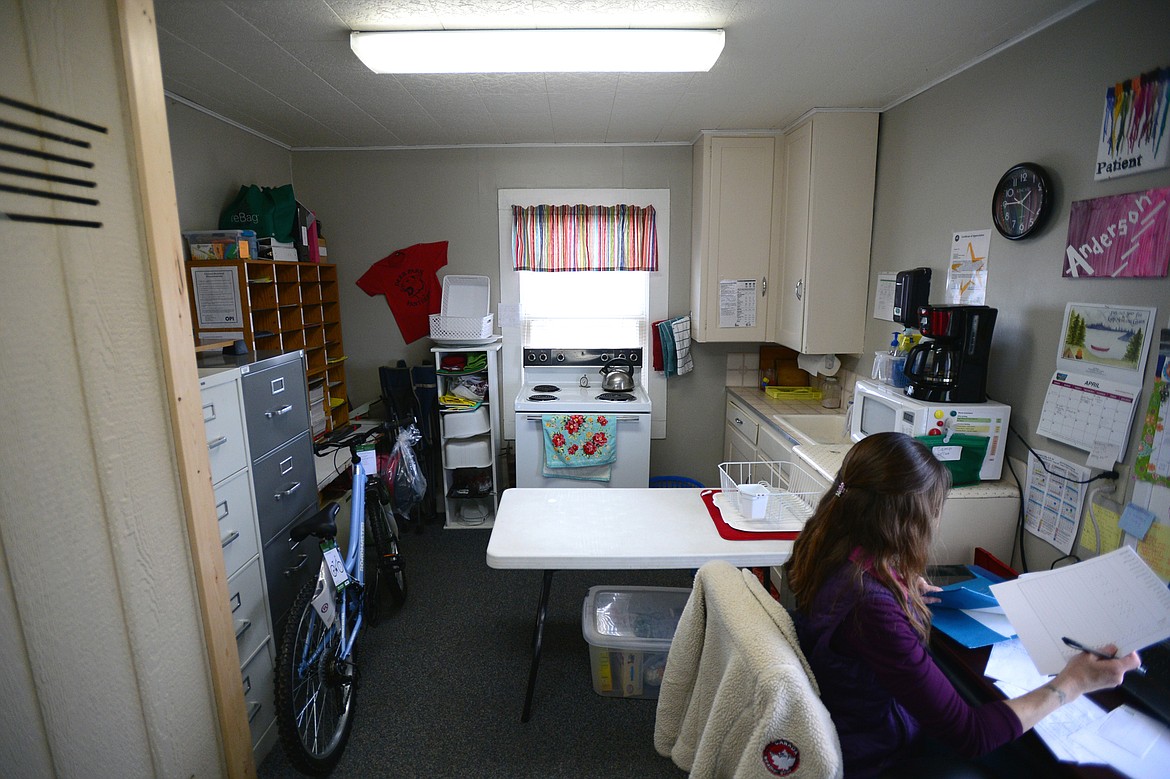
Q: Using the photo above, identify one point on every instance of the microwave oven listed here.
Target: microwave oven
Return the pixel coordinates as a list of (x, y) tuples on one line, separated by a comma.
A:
[(880, 408)]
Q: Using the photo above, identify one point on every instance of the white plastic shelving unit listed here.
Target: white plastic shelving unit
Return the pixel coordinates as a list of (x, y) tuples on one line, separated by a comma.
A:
[(470, 441)]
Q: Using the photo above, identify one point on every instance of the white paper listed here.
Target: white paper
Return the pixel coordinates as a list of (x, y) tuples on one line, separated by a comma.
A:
[(1112, 599), (217, 296), (737, 303), (1053, 501), (883, 297), (1059, 729), (1118, 738), (967, 271)]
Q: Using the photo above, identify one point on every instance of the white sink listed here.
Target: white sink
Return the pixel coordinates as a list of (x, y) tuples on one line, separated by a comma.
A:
[(811, 429)]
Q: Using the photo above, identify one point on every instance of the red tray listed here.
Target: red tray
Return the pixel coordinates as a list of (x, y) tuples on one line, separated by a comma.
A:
[(731, 534)]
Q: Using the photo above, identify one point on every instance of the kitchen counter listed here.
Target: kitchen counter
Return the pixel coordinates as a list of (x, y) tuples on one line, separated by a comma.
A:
[(825, 459)]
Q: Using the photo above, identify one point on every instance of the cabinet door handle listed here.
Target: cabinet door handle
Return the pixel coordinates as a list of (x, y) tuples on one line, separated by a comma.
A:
[(232, 536), (279, 412), (739, 421), (217, 442), (800, 289), (764, 288), (281, 495), (243, 628), (300, 564)]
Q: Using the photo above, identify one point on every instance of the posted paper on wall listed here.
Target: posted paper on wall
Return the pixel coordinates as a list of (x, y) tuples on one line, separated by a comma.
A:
[(1054, 500), (737, 303), (967, 271)]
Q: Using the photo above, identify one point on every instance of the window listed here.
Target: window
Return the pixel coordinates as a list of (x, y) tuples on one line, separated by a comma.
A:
[(580, 309)]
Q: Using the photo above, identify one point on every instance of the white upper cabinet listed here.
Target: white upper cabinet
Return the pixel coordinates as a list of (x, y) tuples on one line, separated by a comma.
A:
[(821, 298), (735, 221)]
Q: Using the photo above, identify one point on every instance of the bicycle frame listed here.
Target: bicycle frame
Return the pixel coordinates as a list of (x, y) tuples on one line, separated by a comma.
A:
[(354, 566)]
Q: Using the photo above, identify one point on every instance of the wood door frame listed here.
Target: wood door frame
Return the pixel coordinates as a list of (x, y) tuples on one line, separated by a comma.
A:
[(142, 70)]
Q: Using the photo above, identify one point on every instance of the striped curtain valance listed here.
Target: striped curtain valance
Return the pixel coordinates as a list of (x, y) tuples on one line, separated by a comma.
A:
[(576, 238)]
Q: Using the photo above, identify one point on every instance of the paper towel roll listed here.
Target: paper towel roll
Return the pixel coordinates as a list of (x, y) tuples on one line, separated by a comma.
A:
[(822, 364)]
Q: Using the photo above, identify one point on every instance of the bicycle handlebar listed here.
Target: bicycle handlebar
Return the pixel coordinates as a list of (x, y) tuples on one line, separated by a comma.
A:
[(350, 440)]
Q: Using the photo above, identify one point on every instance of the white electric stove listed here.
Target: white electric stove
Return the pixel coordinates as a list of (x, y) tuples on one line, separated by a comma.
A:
[(569, 381)]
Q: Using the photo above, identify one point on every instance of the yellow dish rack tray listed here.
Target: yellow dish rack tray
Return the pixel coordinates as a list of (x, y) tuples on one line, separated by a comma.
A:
[(793, 393)]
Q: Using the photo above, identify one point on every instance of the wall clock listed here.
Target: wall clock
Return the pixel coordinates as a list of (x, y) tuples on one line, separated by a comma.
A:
[(1022, 200)]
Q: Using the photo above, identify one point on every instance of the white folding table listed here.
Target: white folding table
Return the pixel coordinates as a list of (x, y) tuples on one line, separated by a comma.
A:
[(609, 529)]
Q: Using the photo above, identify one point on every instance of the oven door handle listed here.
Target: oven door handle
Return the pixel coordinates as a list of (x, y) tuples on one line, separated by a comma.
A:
[(619, 418)]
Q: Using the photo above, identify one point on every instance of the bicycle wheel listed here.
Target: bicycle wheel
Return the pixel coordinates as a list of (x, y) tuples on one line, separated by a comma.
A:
[(314, 690), (384, 533)]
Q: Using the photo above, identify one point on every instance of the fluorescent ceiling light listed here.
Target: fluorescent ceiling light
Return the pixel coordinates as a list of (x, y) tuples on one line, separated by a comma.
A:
[(538, 51)]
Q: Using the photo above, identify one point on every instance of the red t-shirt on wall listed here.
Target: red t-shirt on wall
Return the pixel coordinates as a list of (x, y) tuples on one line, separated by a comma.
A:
[(407, 279)]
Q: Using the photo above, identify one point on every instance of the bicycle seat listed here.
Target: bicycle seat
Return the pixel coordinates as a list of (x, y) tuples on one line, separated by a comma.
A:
[(323, 524)]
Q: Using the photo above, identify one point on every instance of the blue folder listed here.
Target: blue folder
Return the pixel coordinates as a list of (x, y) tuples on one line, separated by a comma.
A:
[(974, 593)]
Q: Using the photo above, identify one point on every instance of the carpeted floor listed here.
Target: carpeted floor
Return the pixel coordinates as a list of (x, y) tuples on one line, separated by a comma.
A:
[(443, 680)]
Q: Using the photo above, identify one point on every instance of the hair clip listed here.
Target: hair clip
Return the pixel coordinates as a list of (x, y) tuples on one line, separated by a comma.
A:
[(840, 489)]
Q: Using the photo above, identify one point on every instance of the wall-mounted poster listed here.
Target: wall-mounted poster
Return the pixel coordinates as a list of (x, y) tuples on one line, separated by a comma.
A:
[(1119, 236), (1133, 130)]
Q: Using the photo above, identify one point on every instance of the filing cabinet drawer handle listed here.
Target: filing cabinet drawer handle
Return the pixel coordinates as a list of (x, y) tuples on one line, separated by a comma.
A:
[(232, 536), (286, 493), (279, 412), (217, 442), (243, 628), (254, 710), (300, 564)]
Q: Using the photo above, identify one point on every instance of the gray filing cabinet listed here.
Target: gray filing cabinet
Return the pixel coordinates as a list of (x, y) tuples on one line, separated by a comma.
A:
[(255, 412)]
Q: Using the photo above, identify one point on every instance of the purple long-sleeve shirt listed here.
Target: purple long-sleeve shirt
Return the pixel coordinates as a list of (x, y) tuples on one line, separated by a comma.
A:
[(880, 684)]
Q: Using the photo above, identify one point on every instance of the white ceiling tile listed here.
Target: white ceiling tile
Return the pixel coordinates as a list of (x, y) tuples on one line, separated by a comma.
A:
[(284, 68)]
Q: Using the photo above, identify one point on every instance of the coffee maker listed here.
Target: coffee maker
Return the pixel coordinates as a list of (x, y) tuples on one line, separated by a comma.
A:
[(951, 367)]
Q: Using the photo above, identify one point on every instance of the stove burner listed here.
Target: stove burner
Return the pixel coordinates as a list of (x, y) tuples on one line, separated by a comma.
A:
[(546, 388), (617, 396), (542, 397)]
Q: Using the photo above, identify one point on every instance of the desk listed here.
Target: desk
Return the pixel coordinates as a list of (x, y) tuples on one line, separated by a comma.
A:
[(607, 529), (965, 667)]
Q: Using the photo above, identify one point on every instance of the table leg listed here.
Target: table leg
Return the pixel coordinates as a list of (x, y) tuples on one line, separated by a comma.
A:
[(537, 637)]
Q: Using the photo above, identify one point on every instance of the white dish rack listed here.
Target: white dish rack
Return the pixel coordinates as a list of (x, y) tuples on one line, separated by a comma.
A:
[(464, 310), (791, 494)]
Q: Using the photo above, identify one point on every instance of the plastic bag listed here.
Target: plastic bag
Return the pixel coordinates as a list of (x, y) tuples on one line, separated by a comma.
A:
[(410, 485), (270, 211), (961, 453)]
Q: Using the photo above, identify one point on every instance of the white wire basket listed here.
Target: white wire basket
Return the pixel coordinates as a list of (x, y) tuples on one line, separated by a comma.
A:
[(791, 492), (461, 327)]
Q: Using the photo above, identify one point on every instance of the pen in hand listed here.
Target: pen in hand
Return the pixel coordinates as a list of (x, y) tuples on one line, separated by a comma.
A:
[(1077, 645)]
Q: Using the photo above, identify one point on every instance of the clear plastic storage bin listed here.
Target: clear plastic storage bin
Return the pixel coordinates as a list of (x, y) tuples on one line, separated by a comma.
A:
[(629, 631)]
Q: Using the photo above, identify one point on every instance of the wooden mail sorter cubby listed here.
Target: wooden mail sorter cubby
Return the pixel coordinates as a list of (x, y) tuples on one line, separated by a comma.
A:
[(279, 306)]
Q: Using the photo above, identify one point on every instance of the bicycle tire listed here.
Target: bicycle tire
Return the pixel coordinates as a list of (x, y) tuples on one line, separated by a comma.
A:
[(384, 530), (314, 699)]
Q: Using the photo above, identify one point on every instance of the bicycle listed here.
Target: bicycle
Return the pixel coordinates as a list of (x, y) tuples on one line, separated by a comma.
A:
[(316, 675)]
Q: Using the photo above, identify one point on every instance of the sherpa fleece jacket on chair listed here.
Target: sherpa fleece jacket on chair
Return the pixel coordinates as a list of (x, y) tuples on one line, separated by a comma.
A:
[(738, 698)]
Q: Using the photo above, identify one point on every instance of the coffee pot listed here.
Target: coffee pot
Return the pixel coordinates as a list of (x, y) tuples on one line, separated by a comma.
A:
[(951, 367)]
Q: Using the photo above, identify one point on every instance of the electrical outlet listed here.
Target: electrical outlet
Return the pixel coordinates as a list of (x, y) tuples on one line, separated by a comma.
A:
[(1121, 494)]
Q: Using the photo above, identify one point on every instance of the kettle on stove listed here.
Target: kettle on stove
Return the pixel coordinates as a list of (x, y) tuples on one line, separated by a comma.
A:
[(618, 376)]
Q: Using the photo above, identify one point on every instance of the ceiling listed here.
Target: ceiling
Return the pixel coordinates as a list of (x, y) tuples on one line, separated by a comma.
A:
[(283, 68)]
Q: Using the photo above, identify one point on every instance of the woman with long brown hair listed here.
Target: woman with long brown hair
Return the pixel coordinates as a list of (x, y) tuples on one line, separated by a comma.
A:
[(857, 573)]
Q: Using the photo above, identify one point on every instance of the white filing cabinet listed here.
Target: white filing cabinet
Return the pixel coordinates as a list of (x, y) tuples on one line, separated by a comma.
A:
[(235, 508)]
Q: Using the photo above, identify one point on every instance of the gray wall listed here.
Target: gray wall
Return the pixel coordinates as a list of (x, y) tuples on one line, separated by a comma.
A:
[(213, 159), (374, 202), (941, 153)]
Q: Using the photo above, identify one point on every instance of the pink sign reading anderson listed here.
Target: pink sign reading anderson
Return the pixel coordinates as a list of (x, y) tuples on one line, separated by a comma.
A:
[(1119, 236)]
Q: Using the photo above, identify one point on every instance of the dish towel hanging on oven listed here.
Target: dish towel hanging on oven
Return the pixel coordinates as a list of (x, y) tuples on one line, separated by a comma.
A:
[(578, 446), (674, 337)]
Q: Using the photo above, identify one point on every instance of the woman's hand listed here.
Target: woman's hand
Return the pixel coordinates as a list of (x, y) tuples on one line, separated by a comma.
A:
[(1085, 672), (924, 587)]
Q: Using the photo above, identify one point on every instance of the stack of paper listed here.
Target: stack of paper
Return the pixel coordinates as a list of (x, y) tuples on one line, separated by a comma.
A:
[(317, 408)]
